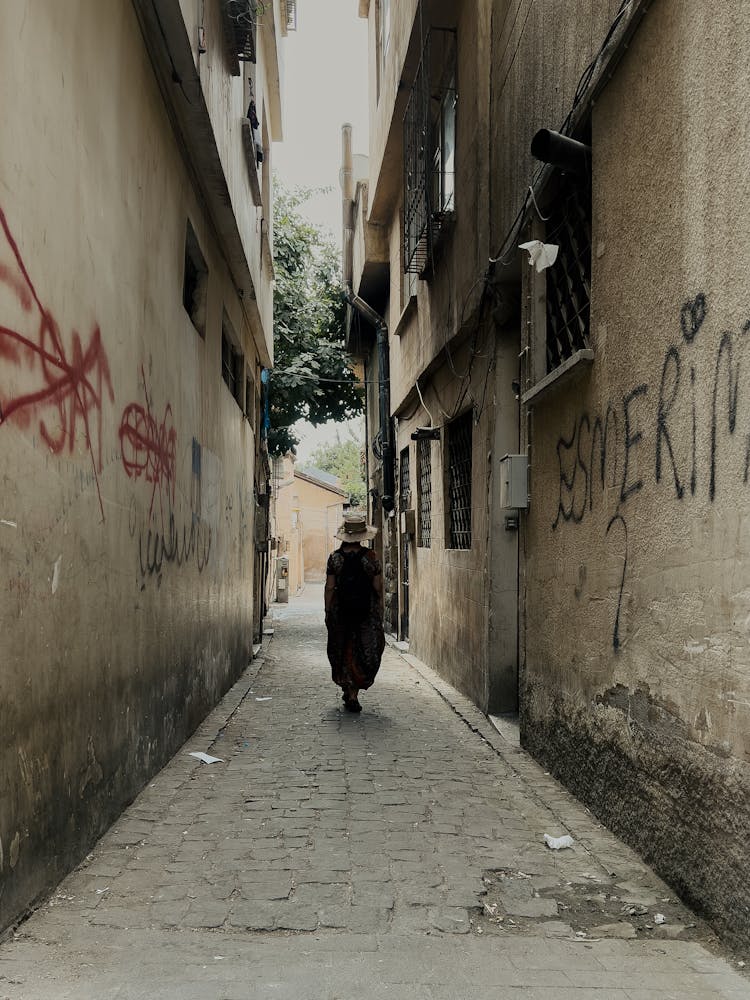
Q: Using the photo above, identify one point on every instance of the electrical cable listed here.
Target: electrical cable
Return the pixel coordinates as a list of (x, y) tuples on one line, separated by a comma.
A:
[(543, 218), (581, 87), (421, 400)]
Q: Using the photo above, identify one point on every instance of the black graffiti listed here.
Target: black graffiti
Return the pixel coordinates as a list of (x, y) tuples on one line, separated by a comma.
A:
[(176, 545), (632, 438), (692, 315), (725, 347), (607, 450), (671, 361), (619, 519)]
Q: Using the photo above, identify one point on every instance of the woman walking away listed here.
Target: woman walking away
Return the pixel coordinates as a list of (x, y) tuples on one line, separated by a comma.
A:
[(354, 610)]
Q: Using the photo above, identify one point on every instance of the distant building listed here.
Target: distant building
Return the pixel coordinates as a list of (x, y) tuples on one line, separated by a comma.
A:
[(309, 506), (136, 271)]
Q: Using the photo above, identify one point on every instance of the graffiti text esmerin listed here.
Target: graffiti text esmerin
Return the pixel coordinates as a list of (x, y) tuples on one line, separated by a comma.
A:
[(599, 458)]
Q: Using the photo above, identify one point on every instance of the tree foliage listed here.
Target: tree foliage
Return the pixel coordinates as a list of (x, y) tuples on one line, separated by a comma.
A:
[(309, 327), (344, 459)]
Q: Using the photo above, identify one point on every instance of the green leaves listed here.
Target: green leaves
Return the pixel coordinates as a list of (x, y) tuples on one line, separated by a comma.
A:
[(312, 377), (346, 460)]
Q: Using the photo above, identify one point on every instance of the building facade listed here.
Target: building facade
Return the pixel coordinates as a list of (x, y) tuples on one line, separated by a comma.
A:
[(308, 508), (607, 593), (136, 302)]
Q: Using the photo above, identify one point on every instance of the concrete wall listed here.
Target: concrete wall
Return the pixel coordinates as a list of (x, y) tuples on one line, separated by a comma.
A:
[(539, 50), (637, 663), (126, 506)]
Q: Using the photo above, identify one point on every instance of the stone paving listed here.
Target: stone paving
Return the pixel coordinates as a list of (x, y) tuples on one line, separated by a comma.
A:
[(330, 856)]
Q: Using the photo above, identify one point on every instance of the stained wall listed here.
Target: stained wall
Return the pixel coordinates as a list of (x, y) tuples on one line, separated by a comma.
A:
[(636, 688), (126, 492)]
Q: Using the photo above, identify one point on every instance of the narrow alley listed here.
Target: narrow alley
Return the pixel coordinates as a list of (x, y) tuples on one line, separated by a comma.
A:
[(329, 856)]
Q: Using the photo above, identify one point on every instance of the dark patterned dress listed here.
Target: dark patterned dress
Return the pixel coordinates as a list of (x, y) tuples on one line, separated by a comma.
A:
[(355, 648)]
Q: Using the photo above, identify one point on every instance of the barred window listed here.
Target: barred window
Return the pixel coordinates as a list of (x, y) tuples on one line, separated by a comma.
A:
[(569, 280), (429, 147), (459, 434), (404, 486), (424, 464), (232, 363)]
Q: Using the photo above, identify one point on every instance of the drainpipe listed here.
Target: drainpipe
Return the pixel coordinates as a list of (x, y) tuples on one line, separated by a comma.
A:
[(346, 180), (384, 394)]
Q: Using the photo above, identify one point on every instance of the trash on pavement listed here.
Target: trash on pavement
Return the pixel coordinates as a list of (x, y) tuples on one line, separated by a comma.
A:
[(659, 918), (205, 757), (264, 699), (558, 843)]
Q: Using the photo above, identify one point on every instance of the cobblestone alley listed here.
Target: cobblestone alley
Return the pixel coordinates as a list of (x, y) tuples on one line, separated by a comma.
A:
[(330, 856)]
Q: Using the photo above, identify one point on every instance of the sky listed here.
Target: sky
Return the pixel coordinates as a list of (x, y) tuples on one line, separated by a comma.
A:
[(325, 68), (325, 85)]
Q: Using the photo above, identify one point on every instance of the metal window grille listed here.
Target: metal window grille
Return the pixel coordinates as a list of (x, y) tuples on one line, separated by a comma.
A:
[(228, 367), (569, 281), (404, 487), (240, 19), (429, 135), (291, 15), (424, 461), (459, 481), (250, 400)]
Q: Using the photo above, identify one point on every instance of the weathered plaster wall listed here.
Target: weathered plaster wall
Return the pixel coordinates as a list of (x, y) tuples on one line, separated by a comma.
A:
[(637, 661), (126, 493), (540, 48), (227, 98), (448, 593)]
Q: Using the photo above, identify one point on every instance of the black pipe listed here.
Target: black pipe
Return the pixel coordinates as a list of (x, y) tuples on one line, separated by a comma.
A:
[(387, 500), (562, 151)]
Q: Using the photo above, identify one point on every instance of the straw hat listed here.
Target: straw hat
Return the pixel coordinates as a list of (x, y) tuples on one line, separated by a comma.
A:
[(355, 528)]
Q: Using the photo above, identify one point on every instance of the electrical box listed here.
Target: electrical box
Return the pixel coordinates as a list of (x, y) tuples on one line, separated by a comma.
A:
[(282, 579), (408, 522), (514, 482)]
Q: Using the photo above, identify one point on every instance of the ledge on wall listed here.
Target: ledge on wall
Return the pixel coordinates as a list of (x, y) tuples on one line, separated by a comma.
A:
[(574, 366)]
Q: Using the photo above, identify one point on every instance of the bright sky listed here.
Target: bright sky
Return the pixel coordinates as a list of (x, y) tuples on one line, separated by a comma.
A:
[(325, 67)]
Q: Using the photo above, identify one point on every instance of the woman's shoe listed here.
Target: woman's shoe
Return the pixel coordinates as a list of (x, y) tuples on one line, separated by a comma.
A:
[(353, 705)]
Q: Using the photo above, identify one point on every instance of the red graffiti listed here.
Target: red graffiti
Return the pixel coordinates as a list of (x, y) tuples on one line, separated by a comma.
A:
[(149, 448), (72, 381)]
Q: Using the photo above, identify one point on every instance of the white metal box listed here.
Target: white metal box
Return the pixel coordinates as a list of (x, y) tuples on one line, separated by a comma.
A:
[(408, 522), (514, 482)]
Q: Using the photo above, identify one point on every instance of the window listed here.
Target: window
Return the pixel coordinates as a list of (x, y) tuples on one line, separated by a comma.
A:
[(240, 21), (424, 466), (250, 399), (458, 434), (383, 40), (445, 154), (429, 150), (404, 485), (194, 282), (232, 363), (569, 280)]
